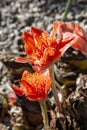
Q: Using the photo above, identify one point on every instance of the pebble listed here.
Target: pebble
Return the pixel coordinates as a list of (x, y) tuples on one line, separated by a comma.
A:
[(39, 24), (57, 16), (79, 17), (49, 27), (70, 16)]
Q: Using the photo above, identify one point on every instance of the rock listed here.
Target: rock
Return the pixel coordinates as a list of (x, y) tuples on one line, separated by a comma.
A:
[(79, 17), (3, 127), (70, 16)]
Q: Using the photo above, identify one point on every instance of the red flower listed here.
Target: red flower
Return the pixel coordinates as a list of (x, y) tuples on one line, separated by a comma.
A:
[(70, 29), (43, 49), (34, 86)]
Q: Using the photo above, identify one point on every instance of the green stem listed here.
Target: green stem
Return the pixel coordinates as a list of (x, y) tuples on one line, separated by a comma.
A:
[(66, 9), (44, 114), (55, 90)]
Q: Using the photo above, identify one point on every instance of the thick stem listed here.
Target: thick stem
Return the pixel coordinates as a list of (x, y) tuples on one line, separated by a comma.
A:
[(44, 114), (55, 90)]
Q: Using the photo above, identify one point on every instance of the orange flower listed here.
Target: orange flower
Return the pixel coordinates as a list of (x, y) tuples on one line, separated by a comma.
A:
[(70, 29), (34, 86), (43, 49)]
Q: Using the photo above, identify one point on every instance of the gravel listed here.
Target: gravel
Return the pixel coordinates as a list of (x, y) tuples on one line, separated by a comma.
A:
[(17, 16)]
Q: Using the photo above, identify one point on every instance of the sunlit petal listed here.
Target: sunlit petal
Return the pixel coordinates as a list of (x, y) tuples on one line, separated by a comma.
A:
[(35, 86)]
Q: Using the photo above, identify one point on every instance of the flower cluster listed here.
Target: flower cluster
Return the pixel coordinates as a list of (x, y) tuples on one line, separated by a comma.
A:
[(42, 51)]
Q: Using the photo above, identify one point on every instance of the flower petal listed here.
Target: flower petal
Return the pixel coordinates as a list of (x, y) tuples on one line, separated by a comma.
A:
[(34, 86), (37, 31), (67, 30), (24, 60), (17, 90), (29, 42)]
